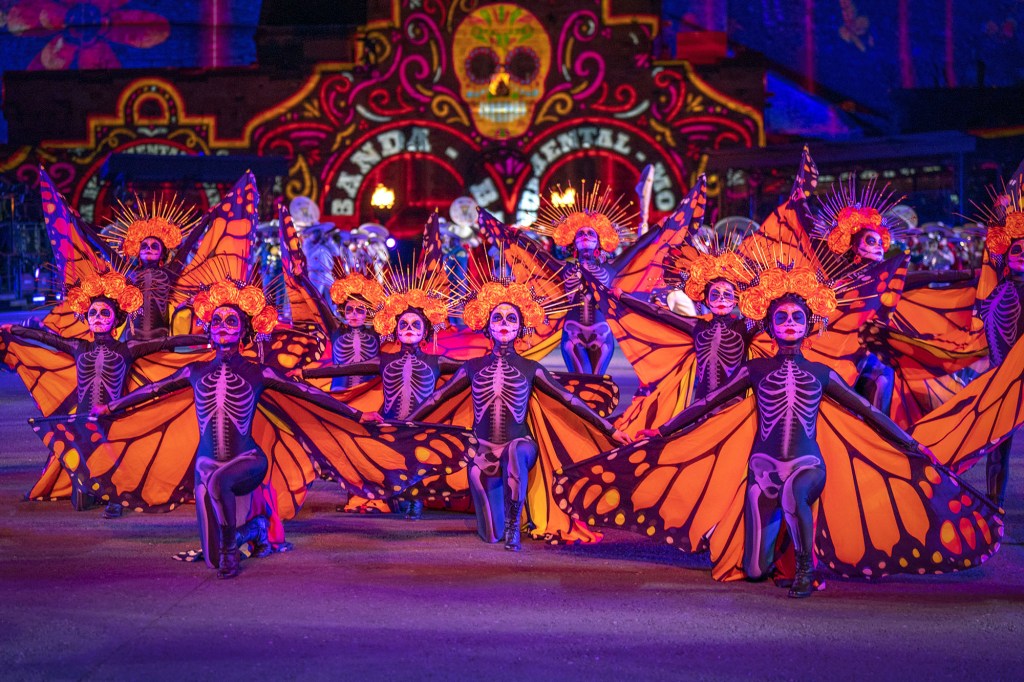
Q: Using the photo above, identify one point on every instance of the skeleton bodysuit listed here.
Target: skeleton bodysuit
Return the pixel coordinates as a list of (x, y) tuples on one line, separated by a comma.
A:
[(501, 384), (587, 340), (350, 346), (786, 473), (155, 282)]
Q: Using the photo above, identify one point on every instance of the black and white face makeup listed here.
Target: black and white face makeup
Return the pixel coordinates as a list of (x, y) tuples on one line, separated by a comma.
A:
[(789, 323), (721, 298), (505, 323), (226, 327), (410, 330), (100, 317), (869, 245), (1015, 257), (586, 239), (151, 250), (354, 312)]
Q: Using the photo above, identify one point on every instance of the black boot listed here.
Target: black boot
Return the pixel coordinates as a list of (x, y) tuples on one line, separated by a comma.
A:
[(256, 532), (227, 560), (803, 583), (415, 512), (512, 527), (113, 511)]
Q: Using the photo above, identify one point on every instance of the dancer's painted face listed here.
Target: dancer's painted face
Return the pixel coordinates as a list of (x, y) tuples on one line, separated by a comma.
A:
[(587, 239), (869, 245), (721, 298), (100, 317), (151, 250), (505, 323), (789, 322), (355, 313), (1015, 257), (410, 328), (225, 326)]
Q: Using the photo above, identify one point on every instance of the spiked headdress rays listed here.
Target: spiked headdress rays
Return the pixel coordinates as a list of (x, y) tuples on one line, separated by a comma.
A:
[(1004, 217), (413, 287), (168, 221), (210, 286), (845, 211), (709, 256), (113, 284), (595, 208)]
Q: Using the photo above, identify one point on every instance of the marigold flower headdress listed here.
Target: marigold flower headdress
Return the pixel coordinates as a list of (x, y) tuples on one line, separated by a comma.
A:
[(112, 285), (845, 212), (777, 275), (507, 280), (1004, 219), (356, 284), (594, 208), (707, 257), (404, 290), (169, 221), (247, 297)]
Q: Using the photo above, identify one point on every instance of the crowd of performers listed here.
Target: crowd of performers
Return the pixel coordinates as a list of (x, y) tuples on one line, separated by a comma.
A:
[(813, 416)]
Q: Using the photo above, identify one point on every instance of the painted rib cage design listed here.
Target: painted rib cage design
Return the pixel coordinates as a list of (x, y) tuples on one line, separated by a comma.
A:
[(1001, 314), (720, 350), (226, 399), (155, 284), (499, 388), (355, 346), (789, 396), (101, 376), (408, 381)]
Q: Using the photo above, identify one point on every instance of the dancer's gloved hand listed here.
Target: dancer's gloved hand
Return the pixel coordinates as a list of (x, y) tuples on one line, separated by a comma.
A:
[(99, 411), (371, 417), (621, 437), (296, 373), (647, 433)]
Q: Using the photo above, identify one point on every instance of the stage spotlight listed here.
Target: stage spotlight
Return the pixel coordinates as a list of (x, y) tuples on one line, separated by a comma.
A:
[(390, 242)]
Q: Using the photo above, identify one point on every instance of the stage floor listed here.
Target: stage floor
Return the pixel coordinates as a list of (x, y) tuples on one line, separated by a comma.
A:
[(366, 597)]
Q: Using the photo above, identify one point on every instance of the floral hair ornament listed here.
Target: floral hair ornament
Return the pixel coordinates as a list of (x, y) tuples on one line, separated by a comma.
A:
[(404, 290), (778, 275), (247, 297), (356, 285), (706, 257), (111, 285), (567, 212), (508, 280), (1004, 218), (169, 221), (845, 212)]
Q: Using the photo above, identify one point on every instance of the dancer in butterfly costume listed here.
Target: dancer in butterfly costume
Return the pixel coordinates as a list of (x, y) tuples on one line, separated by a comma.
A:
[(411, 313), (94, 370), (237, 424), (520, 414), (750, 478), (984, 417)]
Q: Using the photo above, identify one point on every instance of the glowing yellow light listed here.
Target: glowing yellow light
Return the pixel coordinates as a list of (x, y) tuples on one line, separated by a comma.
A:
[(383, 197), (563, 199)]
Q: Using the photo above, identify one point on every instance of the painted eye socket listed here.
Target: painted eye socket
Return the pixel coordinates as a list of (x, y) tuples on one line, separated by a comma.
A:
[(355, 310), (523, 65), (871, 240), (481, 64), (1016, 249)]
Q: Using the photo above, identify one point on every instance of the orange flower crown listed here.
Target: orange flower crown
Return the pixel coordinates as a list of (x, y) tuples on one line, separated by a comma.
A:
[(166, 221), (594, 208), (1000, 237), (845, 212), (776, 281), (433, 307), (356, 284), (707, 268), (248, 298), (477, 312), (112, 285)]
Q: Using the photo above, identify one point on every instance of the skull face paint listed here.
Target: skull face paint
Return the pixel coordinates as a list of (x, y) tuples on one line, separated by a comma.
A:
[(1015, 257), (505, 323), (789, 323), (502, 56), (355, 313), (869, 245), (151, 250), (100, 317), (410, 330), (721, 297), (225, 327), (586, 240)]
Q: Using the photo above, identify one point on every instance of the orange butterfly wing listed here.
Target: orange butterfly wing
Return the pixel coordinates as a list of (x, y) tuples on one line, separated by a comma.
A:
[(49, 376), (883, 511)]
